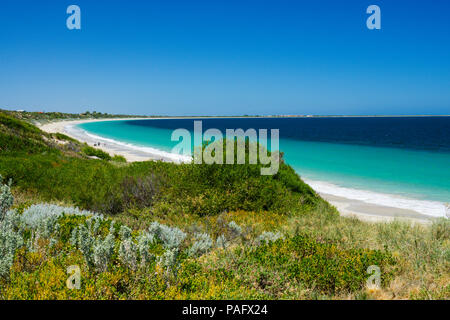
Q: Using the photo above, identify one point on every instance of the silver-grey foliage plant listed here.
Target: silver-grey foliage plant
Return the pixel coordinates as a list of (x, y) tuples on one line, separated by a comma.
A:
[(172, 238), (6, 198), (44, 213), (96, 251), (202, 245), (10, 240), (267, 237), (127, 249), (221, 242), (235, 229), (145, 241)]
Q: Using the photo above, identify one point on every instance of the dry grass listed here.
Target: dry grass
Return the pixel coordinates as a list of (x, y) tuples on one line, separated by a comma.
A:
[(423, 251)]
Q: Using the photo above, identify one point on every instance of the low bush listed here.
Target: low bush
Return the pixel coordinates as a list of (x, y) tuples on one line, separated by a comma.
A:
[(323, 266), (140, 192), (118, 158), (63, 137), (93, 152)]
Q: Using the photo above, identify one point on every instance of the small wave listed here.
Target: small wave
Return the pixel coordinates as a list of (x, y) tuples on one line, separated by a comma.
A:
[(429, 208), (78, 132)]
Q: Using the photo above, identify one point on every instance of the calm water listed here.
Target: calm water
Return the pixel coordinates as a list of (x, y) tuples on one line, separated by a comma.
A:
[(408, 157)]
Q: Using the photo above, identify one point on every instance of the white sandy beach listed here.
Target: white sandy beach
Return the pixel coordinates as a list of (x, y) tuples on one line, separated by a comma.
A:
[(112, 147), (359, 208), (373, 212)]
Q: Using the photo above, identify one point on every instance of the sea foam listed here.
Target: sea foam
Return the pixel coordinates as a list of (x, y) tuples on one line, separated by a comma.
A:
[(426, 207)]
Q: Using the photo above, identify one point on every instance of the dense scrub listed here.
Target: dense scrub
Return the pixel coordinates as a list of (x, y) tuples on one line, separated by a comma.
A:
[(321, 265), (21, 137), (160, 261)]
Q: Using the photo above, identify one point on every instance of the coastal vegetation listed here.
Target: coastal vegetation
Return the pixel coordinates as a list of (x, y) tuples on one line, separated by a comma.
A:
[(156, 230)]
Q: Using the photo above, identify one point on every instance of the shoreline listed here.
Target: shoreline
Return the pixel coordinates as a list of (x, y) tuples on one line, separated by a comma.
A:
[(130, 152), (372, 206), (374, 213), (347, 207)]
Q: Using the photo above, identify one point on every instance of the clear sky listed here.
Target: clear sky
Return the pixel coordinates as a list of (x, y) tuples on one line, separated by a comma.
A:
[(226, 57)]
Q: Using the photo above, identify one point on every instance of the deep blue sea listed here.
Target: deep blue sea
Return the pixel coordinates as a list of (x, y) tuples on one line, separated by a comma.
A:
[(359, 157)]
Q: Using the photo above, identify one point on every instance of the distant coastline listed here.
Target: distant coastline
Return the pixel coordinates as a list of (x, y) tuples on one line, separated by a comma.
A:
[(105, 116)]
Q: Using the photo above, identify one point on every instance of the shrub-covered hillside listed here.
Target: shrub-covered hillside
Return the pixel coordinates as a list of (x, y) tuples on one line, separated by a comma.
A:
[(155, 230), (56, 168)]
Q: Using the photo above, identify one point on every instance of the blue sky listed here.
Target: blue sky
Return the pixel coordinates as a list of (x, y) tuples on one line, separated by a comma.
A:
[(226, 57)]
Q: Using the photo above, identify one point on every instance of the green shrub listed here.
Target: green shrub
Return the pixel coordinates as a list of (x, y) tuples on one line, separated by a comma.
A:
[(209, 189), (93, 152), (139, 192), (323, 266), (63, 137), (119, 158)]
